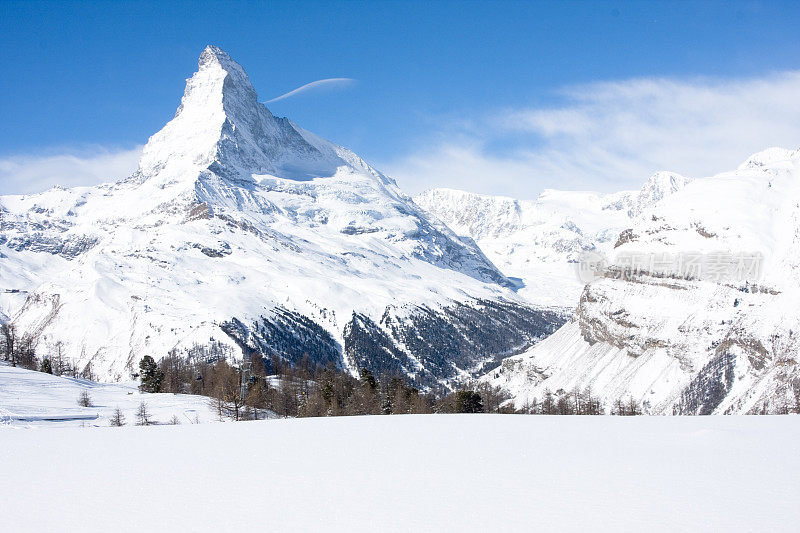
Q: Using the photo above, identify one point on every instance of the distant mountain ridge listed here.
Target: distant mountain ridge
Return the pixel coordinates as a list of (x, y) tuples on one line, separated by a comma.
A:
[(539, 241)]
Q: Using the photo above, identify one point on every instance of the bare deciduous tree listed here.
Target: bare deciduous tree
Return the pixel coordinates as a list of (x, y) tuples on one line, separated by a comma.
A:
[(117, 419), (143, 415)]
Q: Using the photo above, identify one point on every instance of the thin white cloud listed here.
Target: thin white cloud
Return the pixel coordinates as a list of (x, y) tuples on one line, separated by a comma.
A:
[(24, 174), (328, 82), (612, 136)]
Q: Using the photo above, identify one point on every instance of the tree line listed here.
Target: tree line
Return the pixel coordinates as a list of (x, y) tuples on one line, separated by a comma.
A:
[(309, 390), (303, 389)]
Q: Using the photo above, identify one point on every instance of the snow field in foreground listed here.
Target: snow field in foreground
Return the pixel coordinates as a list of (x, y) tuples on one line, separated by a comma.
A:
[(414, 472)]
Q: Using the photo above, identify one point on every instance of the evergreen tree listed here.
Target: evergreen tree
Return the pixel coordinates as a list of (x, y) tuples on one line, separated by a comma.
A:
[(84, 400), (629, 408), (619, 407), (634, 409), (57, 361), (26, 357), (152, 377), (46, 366), (467, 401), (386, 406), (368, 379), (9, 340), (87, 372), (532, 406)]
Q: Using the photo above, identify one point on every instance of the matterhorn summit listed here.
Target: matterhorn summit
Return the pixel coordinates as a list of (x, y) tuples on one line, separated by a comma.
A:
[(220, 124), (242, 233)]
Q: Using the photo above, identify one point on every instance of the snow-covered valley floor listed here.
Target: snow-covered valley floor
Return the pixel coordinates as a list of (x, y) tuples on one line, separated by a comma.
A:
[(404, 473)]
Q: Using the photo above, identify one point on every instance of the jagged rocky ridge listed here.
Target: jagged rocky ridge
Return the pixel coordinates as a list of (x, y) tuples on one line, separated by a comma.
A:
[(697, 311), (241, 229)]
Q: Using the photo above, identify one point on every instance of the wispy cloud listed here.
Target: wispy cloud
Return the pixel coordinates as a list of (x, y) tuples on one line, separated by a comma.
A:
[(23, 174), (611, 136), (319, 84)]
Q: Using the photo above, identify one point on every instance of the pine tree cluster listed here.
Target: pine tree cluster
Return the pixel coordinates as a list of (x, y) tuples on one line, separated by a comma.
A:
[(151, 375)]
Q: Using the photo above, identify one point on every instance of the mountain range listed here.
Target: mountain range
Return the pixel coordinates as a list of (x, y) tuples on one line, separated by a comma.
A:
[(243, 233)]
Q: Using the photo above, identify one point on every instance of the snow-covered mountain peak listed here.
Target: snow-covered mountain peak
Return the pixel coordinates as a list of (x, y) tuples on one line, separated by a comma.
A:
[(214, 55), (222, 127), (663, 183), (768, 158), (240, 225), (656, 188)]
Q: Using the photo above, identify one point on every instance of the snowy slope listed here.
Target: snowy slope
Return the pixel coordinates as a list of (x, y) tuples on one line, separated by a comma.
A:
[(697, 311), (34, 399), (539, 241), (408, 473), (240, 227)]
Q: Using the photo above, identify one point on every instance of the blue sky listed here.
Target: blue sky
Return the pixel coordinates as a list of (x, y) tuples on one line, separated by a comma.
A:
[(494, 97)]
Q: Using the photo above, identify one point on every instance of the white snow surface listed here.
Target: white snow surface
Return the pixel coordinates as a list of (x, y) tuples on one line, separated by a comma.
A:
[(232, 213), (31, 399), (408, 473), (699, 344), (539, 241)]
